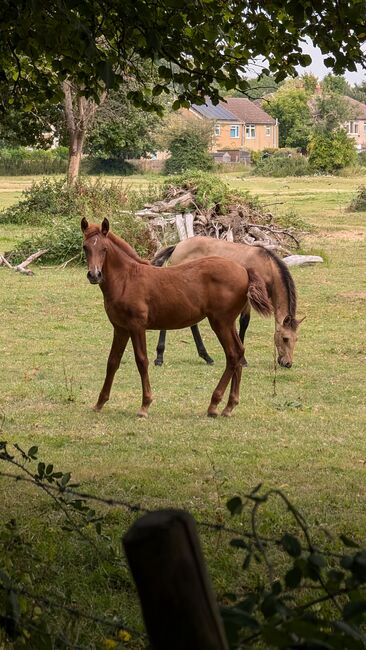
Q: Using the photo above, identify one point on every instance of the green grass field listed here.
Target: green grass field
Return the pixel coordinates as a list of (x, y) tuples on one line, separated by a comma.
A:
[(308, 438)]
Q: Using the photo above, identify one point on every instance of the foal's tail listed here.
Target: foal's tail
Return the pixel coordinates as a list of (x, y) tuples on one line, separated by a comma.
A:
[(257, 294), (162, 256)]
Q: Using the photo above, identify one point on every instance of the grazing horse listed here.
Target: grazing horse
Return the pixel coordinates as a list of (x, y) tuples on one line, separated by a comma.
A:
[(139, 296), (275, 274)]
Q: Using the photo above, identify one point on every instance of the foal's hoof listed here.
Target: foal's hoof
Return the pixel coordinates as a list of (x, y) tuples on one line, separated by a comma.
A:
[(97, 408), (142, 414), (212, 414), (226, 414), (158, 362), (209, 361)]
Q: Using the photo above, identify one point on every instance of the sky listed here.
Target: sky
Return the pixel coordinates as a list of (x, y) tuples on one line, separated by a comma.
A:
[(317, 66), (320, 70)]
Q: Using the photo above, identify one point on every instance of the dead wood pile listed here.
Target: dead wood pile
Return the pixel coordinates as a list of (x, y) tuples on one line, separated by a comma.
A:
[(240, 220)]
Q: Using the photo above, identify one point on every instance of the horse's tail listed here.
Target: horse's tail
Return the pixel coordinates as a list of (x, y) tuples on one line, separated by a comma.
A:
[(162, 256), (258, 295)]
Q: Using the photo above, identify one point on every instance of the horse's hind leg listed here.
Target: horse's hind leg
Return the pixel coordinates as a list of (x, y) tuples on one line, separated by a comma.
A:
[(160, 349), (120, 339), (235, 384), (233, 349), (200, 345), (138, 338), (243, 326)]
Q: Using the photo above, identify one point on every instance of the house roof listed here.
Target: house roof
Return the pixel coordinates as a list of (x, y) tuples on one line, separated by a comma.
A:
[(360, 108), (211, 112), (248, 111), (234, 109)]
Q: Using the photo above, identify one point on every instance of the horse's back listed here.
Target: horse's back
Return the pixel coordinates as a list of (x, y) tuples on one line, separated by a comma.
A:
[(243, 254)]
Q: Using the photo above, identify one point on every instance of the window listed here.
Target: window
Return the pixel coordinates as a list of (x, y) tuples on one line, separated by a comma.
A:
[(268, 130), (234, 131), (217, 129), (250, 131), (352, 127)]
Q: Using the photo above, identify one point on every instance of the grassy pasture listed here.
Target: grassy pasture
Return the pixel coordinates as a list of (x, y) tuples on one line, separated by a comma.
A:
[(307, 439)]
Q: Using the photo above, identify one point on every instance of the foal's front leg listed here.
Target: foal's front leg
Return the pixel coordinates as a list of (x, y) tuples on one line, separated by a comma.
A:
[(138, 338), (120, 340)]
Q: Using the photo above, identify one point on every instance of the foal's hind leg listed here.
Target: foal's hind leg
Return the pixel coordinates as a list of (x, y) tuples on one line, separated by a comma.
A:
[(120, 339), (200, 345), (138, 338), (233, 349), (235, 383)]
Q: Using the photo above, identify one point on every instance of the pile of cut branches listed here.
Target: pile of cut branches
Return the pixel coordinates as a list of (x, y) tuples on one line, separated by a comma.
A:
[(202, 204)]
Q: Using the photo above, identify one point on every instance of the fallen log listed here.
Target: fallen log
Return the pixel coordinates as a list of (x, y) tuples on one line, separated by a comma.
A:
[(22, 267), (301, 260)]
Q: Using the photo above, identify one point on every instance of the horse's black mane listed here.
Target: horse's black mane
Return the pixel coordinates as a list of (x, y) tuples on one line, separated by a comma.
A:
[(287, 281)]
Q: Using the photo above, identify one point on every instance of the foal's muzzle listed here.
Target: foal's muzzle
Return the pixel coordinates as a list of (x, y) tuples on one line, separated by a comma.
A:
[(283, 363), (94, 277)]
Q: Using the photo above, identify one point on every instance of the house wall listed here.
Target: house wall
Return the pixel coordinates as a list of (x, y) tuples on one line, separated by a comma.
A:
[(357, 133), (265, 136)]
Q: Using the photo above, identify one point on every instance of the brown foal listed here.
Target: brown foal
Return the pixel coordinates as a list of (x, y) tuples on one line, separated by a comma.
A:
[(139, 296)]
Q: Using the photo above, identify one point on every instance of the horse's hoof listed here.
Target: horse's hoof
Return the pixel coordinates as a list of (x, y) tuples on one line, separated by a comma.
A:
[(209, 361), (97, 408), (226, 414), (158, 362), (142, 414), (212, 414)]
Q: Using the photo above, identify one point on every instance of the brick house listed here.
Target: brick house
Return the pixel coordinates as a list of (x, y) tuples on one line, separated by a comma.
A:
[(239, 126), (356, 127)]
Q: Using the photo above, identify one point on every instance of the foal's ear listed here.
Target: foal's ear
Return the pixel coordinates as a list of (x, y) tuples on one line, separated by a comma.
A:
[(84, 224), (105, 226), (300, 321)]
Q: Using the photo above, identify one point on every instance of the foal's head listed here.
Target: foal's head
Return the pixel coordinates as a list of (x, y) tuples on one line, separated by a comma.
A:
[(95, 248), (285, 339)]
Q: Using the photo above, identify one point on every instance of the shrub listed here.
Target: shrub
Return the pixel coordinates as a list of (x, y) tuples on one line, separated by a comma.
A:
[(331, 150), (50, 198), (63, 240), (58, 207), (280, 166), (19, 161), (109, 166), (210, 190), (361, 158), (358, 204), (189, 150)]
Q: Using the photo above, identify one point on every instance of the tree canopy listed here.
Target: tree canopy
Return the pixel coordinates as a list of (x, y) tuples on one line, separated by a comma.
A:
[(198, 46)]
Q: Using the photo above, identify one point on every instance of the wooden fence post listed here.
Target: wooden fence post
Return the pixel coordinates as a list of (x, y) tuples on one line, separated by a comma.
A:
[(167, 564)]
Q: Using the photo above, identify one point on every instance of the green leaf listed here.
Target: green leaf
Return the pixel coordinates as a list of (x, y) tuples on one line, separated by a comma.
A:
[(32, 452), (347, 541), (291, 545), (238, 543), (65, 478), (293, 577), (235, 506)]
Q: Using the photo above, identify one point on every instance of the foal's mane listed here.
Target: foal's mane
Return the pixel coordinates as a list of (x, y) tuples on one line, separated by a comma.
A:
[(126, 248), (288, 283)]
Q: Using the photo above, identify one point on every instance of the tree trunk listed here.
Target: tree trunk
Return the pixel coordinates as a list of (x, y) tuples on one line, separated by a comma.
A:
[(75, 153), (79, 113)]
